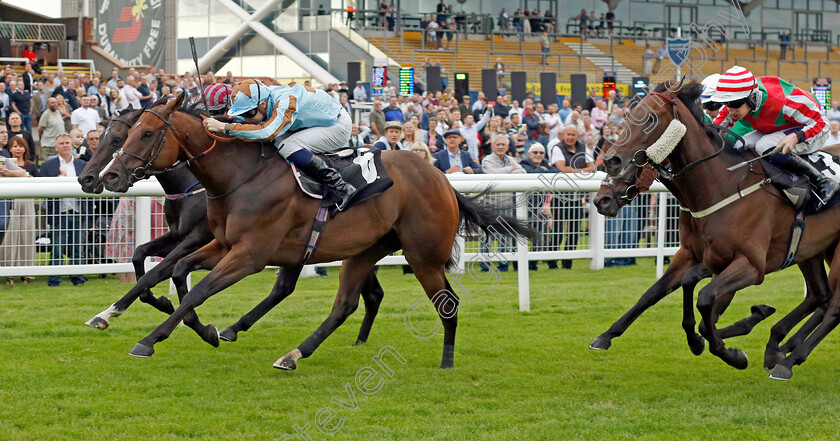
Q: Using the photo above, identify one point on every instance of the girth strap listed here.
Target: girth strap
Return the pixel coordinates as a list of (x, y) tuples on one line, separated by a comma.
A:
[(797, 230), (318, 226)]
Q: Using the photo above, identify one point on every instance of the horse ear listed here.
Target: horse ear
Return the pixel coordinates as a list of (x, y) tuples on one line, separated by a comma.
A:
[(176, 103), (675, 87)]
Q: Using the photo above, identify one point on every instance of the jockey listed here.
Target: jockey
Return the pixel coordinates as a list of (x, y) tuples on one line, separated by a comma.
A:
[(218, 98), (299, 120), (783, 119)]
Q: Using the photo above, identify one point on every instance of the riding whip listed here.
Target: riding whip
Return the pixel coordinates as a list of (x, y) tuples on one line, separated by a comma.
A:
[(750, 161), (198, 72)]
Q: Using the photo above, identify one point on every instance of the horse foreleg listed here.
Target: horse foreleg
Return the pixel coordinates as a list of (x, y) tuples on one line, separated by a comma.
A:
[(233, 266), (818, 293), (159, 273), (689, 281), (284, 285), (158, 247), (372, 293), (739, 274), (669, 281)]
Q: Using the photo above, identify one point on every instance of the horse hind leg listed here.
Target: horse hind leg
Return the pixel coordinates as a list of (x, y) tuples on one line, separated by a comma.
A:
[(818, 294), (372, 294), (354, 273), (284, 285)]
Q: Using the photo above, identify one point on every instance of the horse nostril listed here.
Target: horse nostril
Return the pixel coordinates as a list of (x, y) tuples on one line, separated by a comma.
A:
[(110, 177), (602, 201)]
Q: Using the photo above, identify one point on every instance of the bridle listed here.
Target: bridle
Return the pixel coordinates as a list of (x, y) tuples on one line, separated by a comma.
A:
[(641, 159), (144, 170)]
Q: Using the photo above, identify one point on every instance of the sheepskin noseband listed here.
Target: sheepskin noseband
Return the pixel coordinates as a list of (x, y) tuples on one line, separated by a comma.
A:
[(666, 143)]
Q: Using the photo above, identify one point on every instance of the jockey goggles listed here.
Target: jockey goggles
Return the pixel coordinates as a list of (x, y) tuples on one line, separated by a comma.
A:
[(712, 106), (738, 103), (251, 113)]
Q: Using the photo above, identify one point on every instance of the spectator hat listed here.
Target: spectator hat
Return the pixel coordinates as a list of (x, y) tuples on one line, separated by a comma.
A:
[(247, 95), (393, 125), (735, 84), (451, 132)]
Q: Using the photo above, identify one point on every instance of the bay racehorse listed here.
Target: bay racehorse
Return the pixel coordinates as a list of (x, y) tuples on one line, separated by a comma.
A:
[(616, 193), (742, 222), (185, 209), (260, 217)]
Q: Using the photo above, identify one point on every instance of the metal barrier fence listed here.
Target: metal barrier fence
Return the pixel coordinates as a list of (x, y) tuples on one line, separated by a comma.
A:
[(53, 228)]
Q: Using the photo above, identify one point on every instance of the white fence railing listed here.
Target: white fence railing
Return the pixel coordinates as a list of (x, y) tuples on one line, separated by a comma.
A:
[(100, 233)]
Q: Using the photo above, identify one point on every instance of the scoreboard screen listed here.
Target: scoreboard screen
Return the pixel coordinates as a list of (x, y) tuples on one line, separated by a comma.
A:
[(821, 90), (380, 75), (406, 81), (608, 84)]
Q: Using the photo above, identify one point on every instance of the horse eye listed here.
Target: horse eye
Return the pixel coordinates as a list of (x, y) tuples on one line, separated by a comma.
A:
[(147, 134), (116, 140)]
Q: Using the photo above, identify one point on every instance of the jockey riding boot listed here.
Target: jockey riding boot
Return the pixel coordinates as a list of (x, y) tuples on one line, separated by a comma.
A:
[(824, 187), (323, 173)]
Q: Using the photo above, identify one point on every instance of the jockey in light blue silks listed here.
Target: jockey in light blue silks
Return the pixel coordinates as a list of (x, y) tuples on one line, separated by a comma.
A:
[(299, 120)]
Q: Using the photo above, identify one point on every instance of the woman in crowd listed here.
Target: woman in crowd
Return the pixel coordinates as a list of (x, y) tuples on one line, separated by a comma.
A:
[(65, 111), (493, 128), (18, 246), (116, 102), (119, 242), (433, 139), (609, 132), (410, 136), (589, 135), (422, 150)]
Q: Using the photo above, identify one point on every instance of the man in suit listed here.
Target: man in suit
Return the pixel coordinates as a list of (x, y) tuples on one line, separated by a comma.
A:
[(453, 159), (66, 216), (28, 78), (39, 102), (613, 101)]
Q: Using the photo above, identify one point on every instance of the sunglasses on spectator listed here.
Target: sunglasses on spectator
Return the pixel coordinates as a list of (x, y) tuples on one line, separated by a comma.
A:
[(538, 153)]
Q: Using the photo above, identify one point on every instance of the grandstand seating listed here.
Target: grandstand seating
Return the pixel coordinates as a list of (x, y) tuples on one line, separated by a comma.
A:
[(474, 55)]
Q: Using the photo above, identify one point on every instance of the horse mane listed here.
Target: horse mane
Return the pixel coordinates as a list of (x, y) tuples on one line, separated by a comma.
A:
[(193, 108)]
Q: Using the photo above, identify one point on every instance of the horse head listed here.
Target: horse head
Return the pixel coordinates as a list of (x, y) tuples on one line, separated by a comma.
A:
[(112, 140), (650, 132), (147, 147)]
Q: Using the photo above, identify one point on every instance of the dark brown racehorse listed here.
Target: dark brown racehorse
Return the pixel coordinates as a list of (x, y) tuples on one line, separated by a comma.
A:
[(186, 217), (743, 240), (260, 217), (613, 195)]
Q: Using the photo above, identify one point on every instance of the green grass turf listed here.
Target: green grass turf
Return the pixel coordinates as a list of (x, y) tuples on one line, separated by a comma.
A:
[(517, 376)]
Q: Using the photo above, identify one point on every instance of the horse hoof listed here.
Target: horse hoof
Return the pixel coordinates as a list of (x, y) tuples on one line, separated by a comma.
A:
[(772, 359), (738, 359), (227, 334), (212, 336), (447, 364), (697, 344), (763, 310), (167, 306), (98, 323), (359, 342), (141, 350), (781, 373), (286, 364), (600, 344)]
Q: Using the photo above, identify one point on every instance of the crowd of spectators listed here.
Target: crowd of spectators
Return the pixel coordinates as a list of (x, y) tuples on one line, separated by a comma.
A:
[(58, 120)]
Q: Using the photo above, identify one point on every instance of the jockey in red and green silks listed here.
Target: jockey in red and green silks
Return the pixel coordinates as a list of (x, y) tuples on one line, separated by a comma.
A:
[(783, 118)]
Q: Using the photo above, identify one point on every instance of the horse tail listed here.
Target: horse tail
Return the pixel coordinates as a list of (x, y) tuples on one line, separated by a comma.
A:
[(490, 220)]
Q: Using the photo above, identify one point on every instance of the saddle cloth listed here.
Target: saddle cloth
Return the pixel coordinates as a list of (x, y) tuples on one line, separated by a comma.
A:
[(360, 167), (797, 188)]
